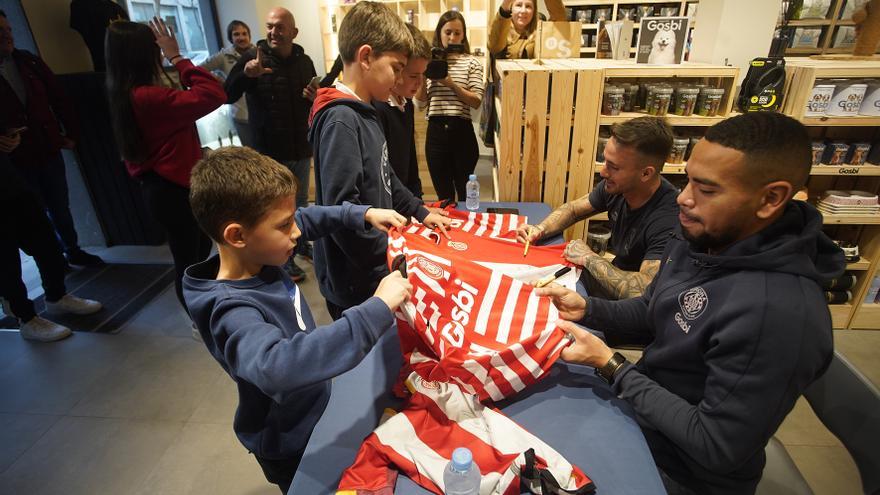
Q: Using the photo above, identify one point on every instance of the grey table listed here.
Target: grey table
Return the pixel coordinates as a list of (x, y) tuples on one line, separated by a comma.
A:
[(571, 410)]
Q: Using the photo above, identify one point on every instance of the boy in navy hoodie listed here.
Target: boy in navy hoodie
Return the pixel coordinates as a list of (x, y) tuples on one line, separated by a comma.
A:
[(253, 318), (351, 154), (737, 317), (397, 115)]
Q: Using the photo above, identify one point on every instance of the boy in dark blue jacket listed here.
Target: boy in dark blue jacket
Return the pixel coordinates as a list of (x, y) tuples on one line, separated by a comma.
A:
[(253, 318), (737, 317), (351, 154)]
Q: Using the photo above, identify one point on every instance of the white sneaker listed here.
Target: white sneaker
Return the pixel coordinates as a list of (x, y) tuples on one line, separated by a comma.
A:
[(72, 304), (43, 330)]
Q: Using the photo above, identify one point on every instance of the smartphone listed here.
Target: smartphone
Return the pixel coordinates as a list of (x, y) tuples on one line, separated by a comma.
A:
[(315, 82), (15, 130), (513, 211)]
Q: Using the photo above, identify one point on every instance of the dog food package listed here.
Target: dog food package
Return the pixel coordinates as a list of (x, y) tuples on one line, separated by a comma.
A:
[(818, 152), (871, 102), (820, 97), (847, 99), (858, 153), (662, 40), (835, 153)]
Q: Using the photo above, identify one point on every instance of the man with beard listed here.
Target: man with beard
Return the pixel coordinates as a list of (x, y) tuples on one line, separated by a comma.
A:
[(738, 323), (641, 211)]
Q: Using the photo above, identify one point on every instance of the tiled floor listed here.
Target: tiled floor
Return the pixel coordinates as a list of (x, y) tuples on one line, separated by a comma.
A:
[(148, 411)]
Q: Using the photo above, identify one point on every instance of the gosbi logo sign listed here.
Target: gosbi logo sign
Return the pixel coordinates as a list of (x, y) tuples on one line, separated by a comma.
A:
[(458, 246), (430, 268)]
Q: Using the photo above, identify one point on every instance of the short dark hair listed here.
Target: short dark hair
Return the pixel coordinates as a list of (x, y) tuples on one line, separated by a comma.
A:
[(373, 24), (650, 136), (236, 184), (776, 146), (449, 16), (421, 47), (231, 27)]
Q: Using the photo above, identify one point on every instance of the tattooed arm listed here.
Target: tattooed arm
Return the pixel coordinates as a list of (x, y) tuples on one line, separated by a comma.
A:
[(621, 284), (560, 219)]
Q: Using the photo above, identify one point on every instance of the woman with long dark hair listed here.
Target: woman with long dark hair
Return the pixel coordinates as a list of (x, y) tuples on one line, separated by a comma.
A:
[(154, 125), (450, 143)]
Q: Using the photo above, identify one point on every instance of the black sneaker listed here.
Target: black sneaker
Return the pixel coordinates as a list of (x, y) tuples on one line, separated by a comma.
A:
[(81, 258), (296, 273), (305, 250)]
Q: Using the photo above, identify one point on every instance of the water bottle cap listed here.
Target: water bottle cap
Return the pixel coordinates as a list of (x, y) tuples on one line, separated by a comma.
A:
[(472, 177), (462, 459)]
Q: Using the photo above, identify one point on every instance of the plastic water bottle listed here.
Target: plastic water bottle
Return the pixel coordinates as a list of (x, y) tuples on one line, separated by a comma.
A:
[(473, 193), (461, 476)]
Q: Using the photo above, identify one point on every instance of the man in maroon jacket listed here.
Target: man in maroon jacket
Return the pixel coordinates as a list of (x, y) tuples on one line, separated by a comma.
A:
[(33, 103)]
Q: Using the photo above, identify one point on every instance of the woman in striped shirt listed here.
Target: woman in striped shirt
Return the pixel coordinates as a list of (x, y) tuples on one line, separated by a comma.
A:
[(450, 144)]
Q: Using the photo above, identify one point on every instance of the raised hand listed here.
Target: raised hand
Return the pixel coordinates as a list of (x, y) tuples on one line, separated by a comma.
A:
[(165, 39), (254, 68)]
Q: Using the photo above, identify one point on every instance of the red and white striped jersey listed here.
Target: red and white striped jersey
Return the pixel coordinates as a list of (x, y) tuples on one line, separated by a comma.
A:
[(473, 318), (440, 417)]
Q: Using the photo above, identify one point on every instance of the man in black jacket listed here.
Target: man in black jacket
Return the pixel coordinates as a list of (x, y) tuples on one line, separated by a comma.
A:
[(739, 324), (276, 79)]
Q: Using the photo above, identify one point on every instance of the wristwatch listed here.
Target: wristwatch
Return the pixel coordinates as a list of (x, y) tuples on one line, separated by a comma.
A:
[(607, 372)]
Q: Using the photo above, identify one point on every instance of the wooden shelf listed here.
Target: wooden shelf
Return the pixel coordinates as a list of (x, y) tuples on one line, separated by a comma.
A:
[(668, 168), (807, 22), (674, 120), (866, 170), (850, 219), (842, 121), (859, 266), (840, 314), (867, 317)]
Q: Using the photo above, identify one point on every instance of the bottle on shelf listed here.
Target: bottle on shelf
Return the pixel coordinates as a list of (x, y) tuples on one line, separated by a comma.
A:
[(472, 188), (461, 476)]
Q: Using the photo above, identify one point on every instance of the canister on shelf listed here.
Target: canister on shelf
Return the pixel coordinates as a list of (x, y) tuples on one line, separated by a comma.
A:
[(686, 100), (709, 101), (874, 154), (691, 143), (871, 102), (612, 100), (847, 99), (630, 95), (659, 102), (644, 96), (600, 149), (858, 153), (818, 152), (679, 148)]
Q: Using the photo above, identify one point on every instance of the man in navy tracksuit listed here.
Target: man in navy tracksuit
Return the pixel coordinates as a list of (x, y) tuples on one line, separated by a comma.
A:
[(740, 327)]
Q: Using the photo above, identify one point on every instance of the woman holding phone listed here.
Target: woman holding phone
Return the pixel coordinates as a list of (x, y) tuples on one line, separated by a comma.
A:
[(154, 125), (450, 143)]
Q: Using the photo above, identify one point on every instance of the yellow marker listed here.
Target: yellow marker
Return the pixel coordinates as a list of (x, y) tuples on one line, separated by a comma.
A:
[(528, 241)]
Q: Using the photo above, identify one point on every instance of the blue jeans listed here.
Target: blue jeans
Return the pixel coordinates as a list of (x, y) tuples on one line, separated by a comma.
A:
[(301, 170)]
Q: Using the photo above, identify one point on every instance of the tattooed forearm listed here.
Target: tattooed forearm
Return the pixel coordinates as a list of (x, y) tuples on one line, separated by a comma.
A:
[(566, 215), (621, 284)]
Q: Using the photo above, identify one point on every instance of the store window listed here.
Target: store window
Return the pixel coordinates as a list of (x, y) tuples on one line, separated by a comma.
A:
[(182, 16)]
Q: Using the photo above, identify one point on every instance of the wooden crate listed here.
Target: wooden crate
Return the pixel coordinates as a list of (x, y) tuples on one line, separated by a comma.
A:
[(546, 129)]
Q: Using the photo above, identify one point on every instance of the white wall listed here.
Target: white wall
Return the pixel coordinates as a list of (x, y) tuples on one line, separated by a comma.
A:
[(735, 31), (253, 12), (62, 48)]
